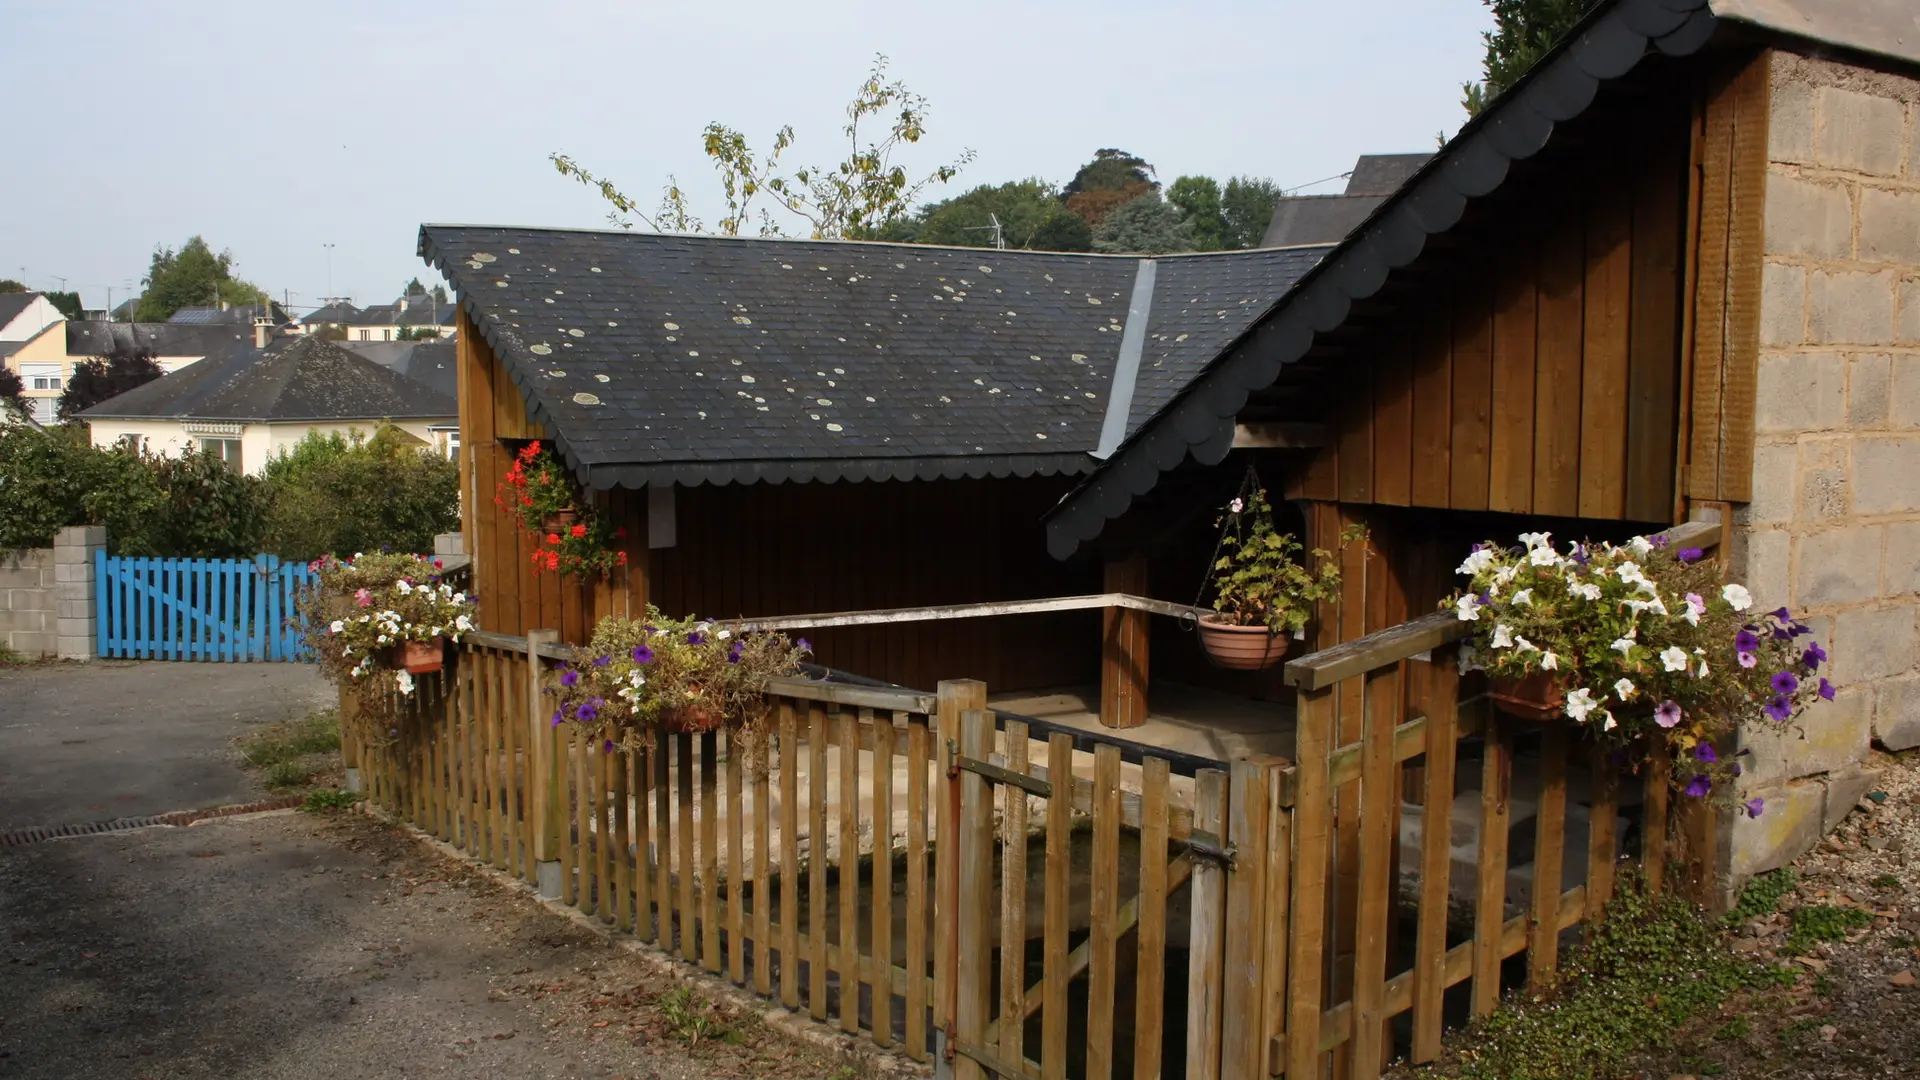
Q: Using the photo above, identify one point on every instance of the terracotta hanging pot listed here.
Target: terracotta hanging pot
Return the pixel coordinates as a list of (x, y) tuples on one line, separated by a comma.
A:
[(560, 520), (689, 719), (420, 657), (1539, 697), (1243, 648)]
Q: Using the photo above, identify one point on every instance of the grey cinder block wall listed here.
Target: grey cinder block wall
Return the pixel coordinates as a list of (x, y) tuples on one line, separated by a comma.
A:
[(47, 597)]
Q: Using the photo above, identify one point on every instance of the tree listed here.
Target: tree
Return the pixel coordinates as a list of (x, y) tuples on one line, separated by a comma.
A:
[(192, 276), (439, 296), (1146, 226), (8, 285), (13, 393), (853, 199), (1198, 200), (414, 288), (1247, 209), (1524, 30), (98, 378), (332, 493), (68, 303), (1029, 212), (416, 333), (1111, 180)]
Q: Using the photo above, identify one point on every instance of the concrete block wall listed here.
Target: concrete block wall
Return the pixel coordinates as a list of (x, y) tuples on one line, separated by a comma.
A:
[(1833, 531), (28, 609)]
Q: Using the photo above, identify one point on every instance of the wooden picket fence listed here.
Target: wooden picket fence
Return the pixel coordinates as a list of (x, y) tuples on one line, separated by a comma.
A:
[(996, 899)]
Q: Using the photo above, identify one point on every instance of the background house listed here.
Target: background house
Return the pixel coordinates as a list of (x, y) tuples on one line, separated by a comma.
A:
[(24, 314), (1327, 219), (335, 315), (43, 367), (431, 363), (416, 315), (251, 405)]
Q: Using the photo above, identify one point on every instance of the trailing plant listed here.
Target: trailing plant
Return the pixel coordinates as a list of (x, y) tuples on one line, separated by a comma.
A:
[(1646, 642), (365, 606), (1258, 575), (688, 674), (570, 539)]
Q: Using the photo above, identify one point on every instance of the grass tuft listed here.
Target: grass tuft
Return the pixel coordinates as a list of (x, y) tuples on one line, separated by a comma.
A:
[(326, 800), (1763, 894), (1652, 965), (692, 1017), (1823, 922), (290, 754)]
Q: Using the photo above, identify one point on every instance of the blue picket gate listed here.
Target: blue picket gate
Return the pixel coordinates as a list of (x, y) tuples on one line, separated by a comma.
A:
[(198, 609)]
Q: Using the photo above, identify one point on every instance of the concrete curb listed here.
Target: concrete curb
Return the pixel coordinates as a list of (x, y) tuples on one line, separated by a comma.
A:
[(796, 1027)]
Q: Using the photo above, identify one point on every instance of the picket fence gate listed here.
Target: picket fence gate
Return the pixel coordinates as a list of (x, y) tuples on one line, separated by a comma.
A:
[(227, 610)]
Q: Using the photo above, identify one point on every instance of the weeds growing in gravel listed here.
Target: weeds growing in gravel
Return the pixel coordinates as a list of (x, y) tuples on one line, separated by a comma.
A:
[(289, 752), (1823, 922), (326, 800), (1763, 894), (691, 1016)]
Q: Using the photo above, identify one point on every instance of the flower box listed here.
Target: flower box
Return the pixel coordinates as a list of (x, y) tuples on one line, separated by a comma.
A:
[(420, 657), (560, 521), (1243, 648), (690, 719), (1539, 697)]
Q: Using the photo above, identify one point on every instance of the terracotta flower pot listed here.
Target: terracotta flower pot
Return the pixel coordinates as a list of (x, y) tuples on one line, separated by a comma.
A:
[(421, 657), (689, 719), (1539, 697), (1243, 648), (559, 521)]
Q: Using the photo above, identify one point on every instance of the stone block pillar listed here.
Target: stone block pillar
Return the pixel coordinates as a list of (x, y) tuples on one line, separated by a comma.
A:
[(76, 621)]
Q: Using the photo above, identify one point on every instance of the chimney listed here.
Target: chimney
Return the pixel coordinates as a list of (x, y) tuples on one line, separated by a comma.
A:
[(262, 332)]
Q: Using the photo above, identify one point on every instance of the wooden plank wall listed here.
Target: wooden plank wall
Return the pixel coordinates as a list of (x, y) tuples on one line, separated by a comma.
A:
[(1540, 373), (1731, 165)]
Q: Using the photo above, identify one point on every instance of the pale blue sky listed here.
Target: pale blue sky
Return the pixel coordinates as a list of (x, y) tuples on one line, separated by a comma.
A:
[(274, 128)]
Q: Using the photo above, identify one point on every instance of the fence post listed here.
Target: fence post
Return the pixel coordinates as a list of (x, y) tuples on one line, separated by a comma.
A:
[(350, 737), (956, 696), (1207, 937), (549, 784), (75, 568), (1243, 1052), (973, 972)]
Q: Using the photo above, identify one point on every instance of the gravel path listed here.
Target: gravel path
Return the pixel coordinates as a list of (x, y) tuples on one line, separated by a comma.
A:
[(288, 945), (1853, 1012)]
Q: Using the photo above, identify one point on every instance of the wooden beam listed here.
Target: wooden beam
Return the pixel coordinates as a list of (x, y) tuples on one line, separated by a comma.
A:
[(1278, 435), (1123, 648)]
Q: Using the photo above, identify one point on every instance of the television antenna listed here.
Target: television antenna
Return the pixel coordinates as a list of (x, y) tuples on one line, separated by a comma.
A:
[(999, 234)]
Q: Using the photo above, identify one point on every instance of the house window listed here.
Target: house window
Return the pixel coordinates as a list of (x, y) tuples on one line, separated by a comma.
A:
[(227, 450), (42, 382), (43, 410), (386, 335), (131, 441)]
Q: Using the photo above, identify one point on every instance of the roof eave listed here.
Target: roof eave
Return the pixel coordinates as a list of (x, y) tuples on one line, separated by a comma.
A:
[(1199, 421)]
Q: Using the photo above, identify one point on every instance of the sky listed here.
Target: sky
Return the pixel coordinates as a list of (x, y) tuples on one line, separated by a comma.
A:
[(277, 129)]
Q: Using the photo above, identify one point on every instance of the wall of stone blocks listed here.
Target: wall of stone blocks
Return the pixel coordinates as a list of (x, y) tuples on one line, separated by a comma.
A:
[(1833, 531), (28, 606)]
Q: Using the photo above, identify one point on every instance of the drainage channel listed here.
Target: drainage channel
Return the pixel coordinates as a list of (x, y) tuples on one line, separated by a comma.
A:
[(37, 833)]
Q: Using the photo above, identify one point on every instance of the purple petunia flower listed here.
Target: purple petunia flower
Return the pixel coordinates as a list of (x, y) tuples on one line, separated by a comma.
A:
[(602, 661), (587, 712), (569, 677), (1754, 806), (1780, 709), (1826, 689), (696, 638), (1658, 541), (1781, 633), (557, 719), (1747, 659), (1784, 682), (1745, 641), (1692, 555), (1782, 615), (1814, 656), (733, 654), (608, 749), (1700, 786), (643, 654), (1668, 714), (1705, 752), (1800, 628), (1485, 598), (804, 645)]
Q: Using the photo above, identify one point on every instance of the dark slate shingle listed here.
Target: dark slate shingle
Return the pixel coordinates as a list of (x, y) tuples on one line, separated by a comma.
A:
[(296, 379)]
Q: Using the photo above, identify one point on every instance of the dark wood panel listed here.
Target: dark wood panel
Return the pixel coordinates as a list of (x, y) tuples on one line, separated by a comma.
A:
[(1710, 296), (1472, 392), (1355, 439), (1653, 370), (1603, 374), (1432, 407), (1515, 344), (1561, 315), (1393, 422), (1752, 99)]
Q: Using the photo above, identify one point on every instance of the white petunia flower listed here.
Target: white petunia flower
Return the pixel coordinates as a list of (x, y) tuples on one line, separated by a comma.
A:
[(1657, 605), (1476, 562), (1580, 703), (1468, 608), (1536, 539), (1674, 658), (1737, 595), (336, 626), (1549, 662), (1502, 637), (1523, 598), (1468, 660), (1637, 606), (1543, 556), (1695, 609), (463, 624), (1623, 690), (1607, 722), (404, 680), (1622, 645), (1586, 590), (1524, 645), (1630, 573), (1506, 574), (723, 635), (1640, 546)]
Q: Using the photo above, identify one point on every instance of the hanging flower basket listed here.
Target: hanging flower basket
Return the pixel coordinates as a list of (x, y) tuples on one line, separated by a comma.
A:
[(421, 657), (1538, 697), (561, 520), (1243, 648), (690, 719)]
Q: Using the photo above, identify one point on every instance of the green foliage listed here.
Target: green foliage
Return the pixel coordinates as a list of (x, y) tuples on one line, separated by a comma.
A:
[(655, 670), (1247, 209), (854, 198), (99, 378), (8, 285), (335, 493), (1198, 200), (417, 333), (1111, 170), (68, 303), (1144, 226), (1030, 213), (1885, 881), (327, 800), (192, 276), (692, 1017), (1823, 922), (13, 393), (275, 744), (414, 288), (1259, 579), (1524, 30), (1651, 966), (1762, 895)]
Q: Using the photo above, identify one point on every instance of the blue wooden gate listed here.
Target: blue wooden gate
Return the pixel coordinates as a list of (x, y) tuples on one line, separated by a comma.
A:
[(198, 609)]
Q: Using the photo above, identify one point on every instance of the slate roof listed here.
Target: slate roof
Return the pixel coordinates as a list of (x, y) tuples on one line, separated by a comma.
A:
[(13, 303), (1317, 219), (406, 311), (292, 380), (239, 315), (428, 362), (87, 338), (1382, 174), (1609, 42), (338, 313), (697, 359)]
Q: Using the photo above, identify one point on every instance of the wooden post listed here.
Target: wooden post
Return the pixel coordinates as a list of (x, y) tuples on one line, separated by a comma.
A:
[(548, 810), (1243, 1052), (1312, 842), (1207, 937), (1123, 648), (350, 738), (972, 1003), (956, 696)]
